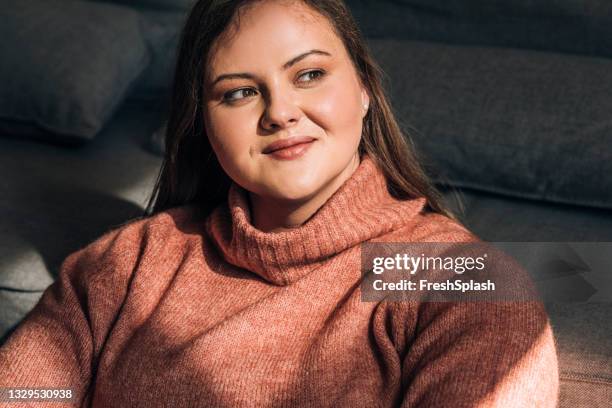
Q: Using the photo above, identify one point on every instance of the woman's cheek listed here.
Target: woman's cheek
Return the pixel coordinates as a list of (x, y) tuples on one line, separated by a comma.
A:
[(336, 108), (226, 134)]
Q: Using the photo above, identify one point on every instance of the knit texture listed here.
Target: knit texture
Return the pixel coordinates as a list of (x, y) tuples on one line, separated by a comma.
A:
[(179, 311)]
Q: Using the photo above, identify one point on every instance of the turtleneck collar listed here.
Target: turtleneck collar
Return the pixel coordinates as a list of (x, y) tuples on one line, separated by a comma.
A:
[(360, 210)]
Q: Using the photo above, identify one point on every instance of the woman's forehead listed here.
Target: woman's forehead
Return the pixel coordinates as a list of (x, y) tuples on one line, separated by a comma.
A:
[(273, 30)]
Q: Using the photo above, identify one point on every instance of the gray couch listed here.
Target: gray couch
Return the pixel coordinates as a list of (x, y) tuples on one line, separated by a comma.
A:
[(507, 102)]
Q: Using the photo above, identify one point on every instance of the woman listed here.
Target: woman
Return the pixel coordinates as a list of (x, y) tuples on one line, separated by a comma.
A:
[(242, 286)]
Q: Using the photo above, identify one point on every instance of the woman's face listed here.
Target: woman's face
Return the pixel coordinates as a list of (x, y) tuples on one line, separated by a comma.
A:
[(290, 77)]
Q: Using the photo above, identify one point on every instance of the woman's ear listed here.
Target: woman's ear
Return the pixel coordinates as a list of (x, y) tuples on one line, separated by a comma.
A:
[(365, 101)]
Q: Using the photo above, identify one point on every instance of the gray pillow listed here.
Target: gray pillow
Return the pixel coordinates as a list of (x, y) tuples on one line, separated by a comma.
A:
[(65, 66), (523, 123), (583, 27), (163, 30)]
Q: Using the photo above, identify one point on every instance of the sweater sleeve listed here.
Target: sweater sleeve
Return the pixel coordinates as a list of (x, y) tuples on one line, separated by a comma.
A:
[(479, 354), (58, 342)]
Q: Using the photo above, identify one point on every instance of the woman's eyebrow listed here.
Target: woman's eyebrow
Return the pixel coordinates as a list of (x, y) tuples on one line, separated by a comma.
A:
[(286, 65)]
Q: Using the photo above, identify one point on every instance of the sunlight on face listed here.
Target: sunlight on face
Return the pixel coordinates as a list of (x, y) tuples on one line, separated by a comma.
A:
[(318, 95)]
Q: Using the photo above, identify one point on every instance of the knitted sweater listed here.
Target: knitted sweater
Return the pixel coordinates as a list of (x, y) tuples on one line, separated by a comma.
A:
[(179, 311)]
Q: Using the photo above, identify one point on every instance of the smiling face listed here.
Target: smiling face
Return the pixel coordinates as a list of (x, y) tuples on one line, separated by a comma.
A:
[(296, 79)]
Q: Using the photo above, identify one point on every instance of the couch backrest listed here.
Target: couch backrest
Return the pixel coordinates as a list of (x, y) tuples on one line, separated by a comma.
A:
[(574, 26)]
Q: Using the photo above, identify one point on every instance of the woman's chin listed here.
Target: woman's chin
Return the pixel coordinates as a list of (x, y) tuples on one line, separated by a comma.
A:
[(293, 186), (293, 194)]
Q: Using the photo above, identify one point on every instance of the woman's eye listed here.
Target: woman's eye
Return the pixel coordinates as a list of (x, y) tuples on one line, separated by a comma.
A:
[(313, 75), (229, 96), (242, 93)]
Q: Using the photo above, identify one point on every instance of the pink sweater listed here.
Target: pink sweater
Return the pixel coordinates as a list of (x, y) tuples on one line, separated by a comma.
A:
[(177, 311)]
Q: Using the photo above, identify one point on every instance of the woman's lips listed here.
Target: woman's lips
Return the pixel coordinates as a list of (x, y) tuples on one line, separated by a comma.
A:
[(291, 152), (290, 148)]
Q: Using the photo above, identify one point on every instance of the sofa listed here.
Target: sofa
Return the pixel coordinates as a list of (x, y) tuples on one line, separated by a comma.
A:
[(507, 102)]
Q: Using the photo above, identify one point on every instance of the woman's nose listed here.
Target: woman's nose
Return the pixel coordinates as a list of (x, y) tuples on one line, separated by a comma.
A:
[(280, 111)]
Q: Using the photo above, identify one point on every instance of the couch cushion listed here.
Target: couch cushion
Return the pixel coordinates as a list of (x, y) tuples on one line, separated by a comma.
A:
[(583, 333), (56, 199), (518, 122), (66, 66), (558, 25), (15, 305), (500, 218)]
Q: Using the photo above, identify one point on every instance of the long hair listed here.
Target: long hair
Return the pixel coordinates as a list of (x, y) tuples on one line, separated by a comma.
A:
[(190, 172)]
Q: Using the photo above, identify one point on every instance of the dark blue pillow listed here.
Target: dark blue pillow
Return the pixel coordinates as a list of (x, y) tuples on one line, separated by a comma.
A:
[(65, 66)]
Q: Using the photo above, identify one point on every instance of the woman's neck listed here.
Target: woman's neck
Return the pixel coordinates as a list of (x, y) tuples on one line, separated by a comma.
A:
[(272, 215)]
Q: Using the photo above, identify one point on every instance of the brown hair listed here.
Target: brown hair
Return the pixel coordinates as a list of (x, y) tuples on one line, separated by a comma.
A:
[(190, 172)]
